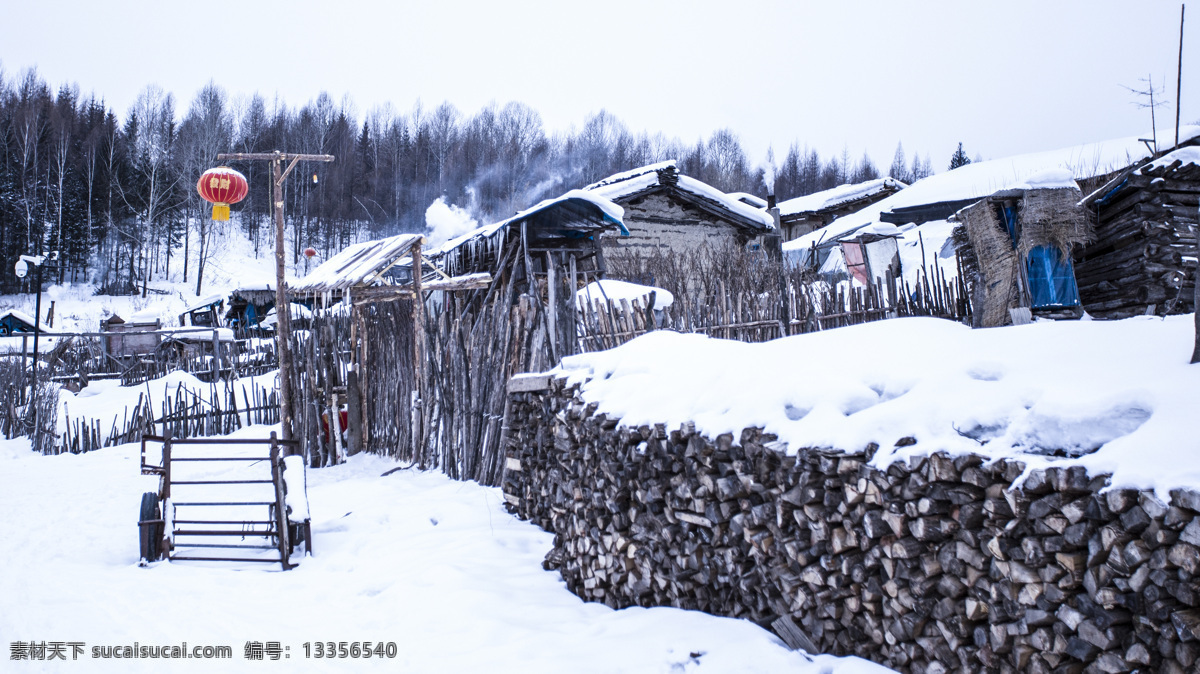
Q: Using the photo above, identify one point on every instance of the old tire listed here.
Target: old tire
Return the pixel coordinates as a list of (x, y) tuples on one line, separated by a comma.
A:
[(150, 534)]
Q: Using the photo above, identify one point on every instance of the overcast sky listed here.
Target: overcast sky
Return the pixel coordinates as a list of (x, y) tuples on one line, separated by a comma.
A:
[(1001, 77)]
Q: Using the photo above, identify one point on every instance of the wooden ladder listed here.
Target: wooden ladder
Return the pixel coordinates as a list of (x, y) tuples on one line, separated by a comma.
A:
[(271, 525)]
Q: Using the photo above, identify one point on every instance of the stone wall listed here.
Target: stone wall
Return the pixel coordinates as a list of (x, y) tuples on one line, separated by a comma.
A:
[(929, 566)]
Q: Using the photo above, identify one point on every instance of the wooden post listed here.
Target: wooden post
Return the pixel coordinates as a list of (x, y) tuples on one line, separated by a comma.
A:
[(283, 329), (418, 320)]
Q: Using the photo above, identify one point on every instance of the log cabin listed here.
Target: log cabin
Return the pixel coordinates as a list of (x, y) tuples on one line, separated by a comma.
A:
[(666, 210)]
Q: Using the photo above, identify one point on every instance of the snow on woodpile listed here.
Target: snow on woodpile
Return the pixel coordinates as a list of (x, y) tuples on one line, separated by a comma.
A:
[(837, 196), (361, 263), (1114, 396), (980, 179), (612, 289), (1184, 155)]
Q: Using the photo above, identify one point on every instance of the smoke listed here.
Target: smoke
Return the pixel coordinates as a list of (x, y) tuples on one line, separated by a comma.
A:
[(769, 171), (445, 221)]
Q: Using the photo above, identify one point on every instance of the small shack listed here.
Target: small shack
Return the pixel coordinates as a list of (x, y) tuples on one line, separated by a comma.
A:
[(203, 313), (872, 254), (1143, 257), (129, 339), (811, 212), (1016, 248), (13, 322), (248, 305), (666, 210), (362, 265)]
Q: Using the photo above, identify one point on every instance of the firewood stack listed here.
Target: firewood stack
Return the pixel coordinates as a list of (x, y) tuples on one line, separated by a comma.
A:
[(1144, 252), (929, 566)]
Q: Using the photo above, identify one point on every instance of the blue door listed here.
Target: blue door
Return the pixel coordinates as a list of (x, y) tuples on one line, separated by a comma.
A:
[(1051, 278)]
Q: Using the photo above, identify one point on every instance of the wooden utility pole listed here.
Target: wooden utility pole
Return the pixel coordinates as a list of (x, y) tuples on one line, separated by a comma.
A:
[(1179, 75), (283, 314)]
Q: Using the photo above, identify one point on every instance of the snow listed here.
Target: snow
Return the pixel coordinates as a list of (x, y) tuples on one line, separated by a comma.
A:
[(620, 185), (1184, 155), (204, 302), (296, 479), (434, 565), (981, 179), (622, 290), (28, 320), (1122, 388), (296, 312), (147, 315), (749, 199), (357, 264), (838, 195), (1050, 179), (610, 211)]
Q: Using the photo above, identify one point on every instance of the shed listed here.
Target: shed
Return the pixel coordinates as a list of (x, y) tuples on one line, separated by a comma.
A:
[(248, 304), (1016, 248), (17, 322), (127, 339), (204, 312), (1143, 257), (665, 209), (361, 265)]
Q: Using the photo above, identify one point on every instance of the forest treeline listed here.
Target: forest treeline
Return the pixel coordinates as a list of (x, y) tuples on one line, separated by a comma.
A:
[(116, 195)]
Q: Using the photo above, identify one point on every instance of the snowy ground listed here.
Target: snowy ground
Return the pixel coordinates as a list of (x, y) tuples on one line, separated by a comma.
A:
[(436, 566)]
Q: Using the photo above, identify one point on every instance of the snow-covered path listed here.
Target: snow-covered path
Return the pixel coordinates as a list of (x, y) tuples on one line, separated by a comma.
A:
[(436, 566)]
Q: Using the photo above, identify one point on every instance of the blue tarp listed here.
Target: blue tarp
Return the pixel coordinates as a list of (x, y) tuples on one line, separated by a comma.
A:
[(1051, 279)]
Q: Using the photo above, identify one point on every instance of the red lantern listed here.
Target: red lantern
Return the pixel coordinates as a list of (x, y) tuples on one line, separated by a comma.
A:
[(310, 252), (222, 186)]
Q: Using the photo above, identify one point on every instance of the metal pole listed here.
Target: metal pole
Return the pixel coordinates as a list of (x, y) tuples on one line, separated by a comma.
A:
[(37, 330), (283, 325)]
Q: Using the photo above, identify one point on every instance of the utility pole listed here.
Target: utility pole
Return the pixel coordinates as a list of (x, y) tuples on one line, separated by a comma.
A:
[(283, 313), (1179, 75)]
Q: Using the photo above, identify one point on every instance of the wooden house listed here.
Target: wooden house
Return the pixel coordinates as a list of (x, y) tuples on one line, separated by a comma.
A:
[(666, 210), (1016, 250), (811, 212), (1142, 259), (128, 339)]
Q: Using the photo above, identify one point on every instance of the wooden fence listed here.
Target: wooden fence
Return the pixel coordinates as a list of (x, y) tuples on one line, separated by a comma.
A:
[(796, 308)]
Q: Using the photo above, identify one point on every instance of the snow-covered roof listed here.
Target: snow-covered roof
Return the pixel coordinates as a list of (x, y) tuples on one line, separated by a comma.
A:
[(204, 302), (837, 196), (643, 179), (611, 212), (357, 264), (26, 319), (980, 179), (749, 199)]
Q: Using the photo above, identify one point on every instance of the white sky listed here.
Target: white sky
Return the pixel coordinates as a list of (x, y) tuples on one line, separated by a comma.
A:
[(1002, 77)]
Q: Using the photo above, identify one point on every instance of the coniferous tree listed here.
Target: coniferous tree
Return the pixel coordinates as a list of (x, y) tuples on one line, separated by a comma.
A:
[(959, 158)]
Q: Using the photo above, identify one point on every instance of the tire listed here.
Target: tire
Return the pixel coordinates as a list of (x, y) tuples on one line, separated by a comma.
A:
[(150, 536)]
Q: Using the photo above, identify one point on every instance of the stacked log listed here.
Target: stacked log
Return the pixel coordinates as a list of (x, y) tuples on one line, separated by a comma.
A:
[(1143, 259), (932, 565)]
